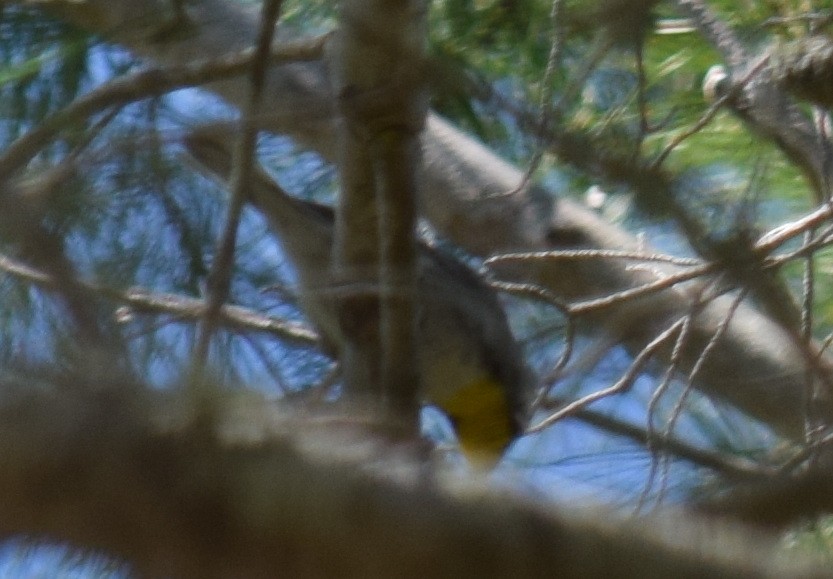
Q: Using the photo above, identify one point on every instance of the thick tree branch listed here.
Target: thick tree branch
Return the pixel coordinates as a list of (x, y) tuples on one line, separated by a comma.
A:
[(378, 61), (227, 485)]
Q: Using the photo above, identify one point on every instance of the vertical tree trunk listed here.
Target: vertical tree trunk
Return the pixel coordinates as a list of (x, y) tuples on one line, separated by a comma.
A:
[(378, 81)]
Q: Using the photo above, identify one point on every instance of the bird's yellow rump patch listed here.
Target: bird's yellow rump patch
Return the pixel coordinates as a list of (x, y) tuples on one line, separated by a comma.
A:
[(481, 416)]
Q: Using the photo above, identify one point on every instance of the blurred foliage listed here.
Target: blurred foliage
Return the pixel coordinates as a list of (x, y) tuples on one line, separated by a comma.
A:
[(38, 559), (815, 538), (44, 67)]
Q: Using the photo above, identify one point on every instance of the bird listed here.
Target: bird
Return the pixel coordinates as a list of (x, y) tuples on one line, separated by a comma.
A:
[(471, 367)]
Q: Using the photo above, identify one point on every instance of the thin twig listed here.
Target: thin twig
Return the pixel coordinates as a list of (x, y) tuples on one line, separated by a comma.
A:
[(736, 468), (674, 363), (140, 300), (546, 109), (578, 254), (822, 240), (807, 299), (805, 453), (777, 236), (622, 385), (563, 359), (653, 442), (528, 290), (676, 411), (587, 306), (661, 284), (701, 360), (219, 278)]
